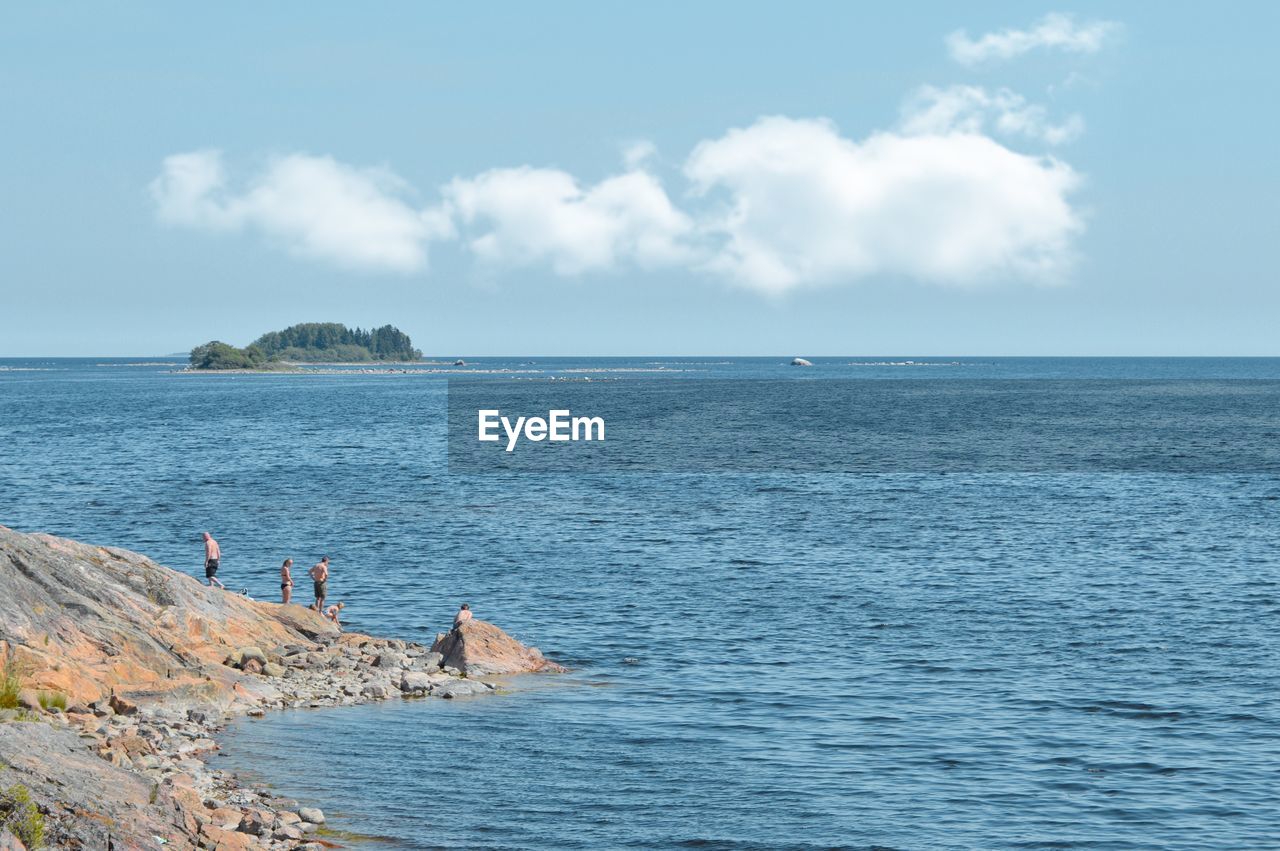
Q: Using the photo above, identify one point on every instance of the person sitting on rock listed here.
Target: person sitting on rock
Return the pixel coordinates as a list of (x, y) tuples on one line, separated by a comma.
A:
[(463, 615), (320, 576), (286, 580), (212, 557), (333, 611)]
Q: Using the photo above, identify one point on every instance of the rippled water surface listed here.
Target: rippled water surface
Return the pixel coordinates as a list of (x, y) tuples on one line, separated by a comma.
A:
[(761, 661)]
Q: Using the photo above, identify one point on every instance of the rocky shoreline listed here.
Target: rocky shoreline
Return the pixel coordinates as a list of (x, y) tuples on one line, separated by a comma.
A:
[(150, 665)]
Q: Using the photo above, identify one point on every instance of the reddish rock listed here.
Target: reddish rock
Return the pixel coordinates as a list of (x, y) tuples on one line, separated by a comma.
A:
[(88, 621), (9, 842), (478, 648), (217, 839), (133, 745), (185, 804), (255, 823)]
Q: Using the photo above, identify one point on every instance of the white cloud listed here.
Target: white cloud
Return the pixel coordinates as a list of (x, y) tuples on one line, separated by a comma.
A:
[(1053, 31), (524, 216), (312, 206), (638, 153), (972, 109), (806, 205), (780, 204)]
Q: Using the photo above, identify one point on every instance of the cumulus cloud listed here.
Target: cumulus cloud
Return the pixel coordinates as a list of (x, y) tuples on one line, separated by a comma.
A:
[(524, 216), (779, 204), (312, 206), (973, 109), (1054, 31), (806, 205), (776, 205)]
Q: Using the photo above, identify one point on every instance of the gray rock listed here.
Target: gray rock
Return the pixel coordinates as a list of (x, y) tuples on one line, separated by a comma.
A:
[(460, 688), (287, 831), (392, 659), (311, 814), (800, 362), (432, 660), (415, 682), (376, 690)]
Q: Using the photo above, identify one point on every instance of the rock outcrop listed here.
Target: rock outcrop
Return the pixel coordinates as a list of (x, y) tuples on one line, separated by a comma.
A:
[(91, 621), (146, 664), (480, 649)]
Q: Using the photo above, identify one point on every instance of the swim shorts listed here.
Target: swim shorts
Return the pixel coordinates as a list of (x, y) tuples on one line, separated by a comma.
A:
[(210, 568)]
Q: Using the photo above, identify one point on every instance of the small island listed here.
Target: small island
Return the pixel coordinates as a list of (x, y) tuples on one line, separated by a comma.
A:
[(309, 342)]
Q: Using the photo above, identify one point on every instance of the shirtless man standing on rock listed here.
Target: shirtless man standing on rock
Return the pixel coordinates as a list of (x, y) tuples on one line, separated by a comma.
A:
[(320, 576), (212, 557)]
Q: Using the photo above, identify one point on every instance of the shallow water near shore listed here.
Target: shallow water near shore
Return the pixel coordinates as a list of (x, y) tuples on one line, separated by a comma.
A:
[(761, 661)]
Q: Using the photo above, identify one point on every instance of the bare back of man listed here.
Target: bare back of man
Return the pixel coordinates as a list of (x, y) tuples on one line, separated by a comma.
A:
[(320, 577), (212, 560)]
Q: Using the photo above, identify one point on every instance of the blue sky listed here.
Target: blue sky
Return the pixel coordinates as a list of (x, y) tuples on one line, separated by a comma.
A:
[(710, 178)]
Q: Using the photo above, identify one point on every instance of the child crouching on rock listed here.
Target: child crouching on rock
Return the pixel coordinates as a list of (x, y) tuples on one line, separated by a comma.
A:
[(332, 613)]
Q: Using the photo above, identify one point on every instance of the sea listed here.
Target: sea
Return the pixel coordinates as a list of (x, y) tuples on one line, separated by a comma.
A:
[(787, 657)]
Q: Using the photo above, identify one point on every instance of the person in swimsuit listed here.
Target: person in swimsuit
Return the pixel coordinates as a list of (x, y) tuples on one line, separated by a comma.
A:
[(333, 611), (212, 557), (463, 615), (286, 580), (320, 576)]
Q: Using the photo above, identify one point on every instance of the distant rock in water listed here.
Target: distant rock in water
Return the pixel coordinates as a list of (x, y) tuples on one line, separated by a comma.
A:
[(478, 649), (459, 362), (801, 362)]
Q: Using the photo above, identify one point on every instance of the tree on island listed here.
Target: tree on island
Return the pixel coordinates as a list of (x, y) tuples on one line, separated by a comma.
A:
[(312, 341), (219, 355), (309, 342)]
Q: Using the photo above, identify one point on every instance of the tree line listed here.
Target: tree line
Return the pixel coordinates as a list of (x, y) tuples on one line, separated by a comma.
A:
[(309, 341)]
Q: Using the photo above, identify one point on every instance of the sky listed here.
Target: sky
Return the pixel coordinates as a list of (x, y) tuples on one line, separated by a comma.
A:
[(629, 179)]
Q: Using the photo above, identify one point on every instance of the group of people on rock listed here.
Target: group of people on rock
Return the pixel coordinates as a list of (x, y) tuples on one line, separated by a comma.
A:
[(319, 574)]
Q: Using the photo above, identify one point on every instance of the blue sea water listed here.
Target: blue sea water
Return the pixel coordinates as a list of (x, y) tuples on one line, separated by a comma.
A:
[(767, 660)]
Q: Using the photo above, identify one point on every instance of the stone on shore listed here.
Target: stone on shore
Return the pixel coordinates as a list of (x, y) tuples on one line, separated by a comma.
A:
[(9, 842), (460, 688), (478, 648), (311, 814), (415, 682)]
